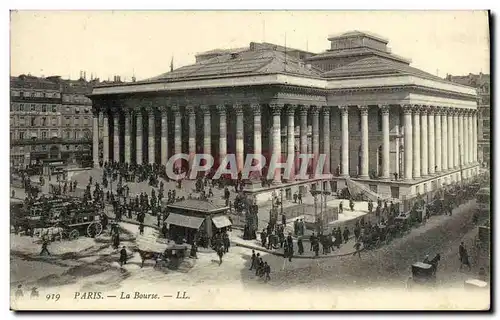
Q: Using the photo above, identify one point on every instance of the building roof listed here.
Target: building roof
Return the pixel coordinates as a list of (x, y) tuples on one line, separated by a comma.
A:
[(472, 80), (251, 62), (197, 205), (376, 65), (356, 33)]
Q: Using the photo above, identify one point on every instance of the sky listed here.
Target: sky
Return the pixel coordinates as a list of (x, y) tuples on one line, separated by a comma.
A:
[(142, 43)]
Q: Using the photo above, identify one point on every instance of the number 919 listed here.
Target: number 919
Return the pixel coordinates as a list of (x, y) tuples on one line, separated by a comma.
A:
[(53, 296)]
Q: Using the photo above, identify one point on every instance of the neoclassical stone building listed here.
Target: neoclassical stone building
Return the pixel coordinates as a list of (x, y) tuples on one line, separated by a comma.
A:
[(396, 129)]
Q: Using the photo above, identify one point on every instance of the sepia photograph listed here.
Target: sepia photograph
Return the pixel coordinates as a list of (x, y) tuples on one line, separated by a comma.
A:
[(250, 160)]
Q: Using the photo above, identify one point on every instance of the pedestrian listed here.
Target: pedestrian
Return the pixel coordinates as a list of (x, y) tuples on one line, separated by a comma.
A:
[(464, 256), (312, 240), (34, 293), (19, 291), (300, 245), (267, 271), (346, 234), (123, 256), (357, 246), (283, 219), (226, 242), (351, 204), (164, 230), (194, 250), (141, 229), (253, 260), (45, 244), (258, 269), (263, 237), (220, 253), (316, 248), (341, 207)]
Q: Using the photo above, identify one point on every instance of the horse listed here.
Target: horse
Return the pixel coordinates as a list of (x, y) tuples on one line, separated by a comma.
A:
[(149, 255)]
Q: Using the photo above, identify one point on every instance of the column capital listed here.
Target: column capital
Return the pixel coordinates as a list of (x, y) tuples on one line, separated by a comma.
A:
[(206, 109), (176, 110), (151, 114), (326, 111), (221, 109), (190, 110), (256, 109), (363, 110), (344, 109), (238, 108), (303, 109), (315, 110), (276, 108), (384, 108), (424, 111), (408, 108), (290, 109)]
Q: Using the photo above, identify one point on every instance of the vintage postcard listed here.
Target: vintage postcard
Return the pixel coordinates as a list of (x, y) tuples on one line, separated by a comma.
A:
[(246, 160)]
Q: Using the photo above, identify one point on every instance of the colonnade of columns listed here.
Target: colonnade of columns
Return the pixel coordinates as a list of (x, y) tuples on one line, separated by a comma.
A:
[(436, 139)]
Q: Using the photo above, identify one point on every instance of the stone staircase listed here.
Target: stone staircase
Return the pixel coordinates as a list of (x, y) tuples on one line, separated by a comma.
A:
[(355, 187)]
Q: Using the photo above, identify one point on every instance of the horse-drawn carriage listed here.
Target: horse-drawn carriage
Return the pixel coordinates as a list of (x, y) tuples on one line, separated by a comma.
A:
[(425, 272), (164, 253)]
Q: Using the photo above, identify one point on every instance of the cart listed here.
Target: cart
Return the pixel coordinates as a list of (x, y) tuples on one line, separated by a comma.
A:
[(423, 273)]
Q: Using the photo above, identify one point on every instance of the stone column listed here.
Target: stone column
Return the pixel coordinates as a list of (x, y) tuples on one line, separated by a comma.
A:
[(115, 117), (385, 142), (95, 138), (468, 136), (138, 137), (105, 136), (151, 136), (462, 137), (444, 140), (315, 135), (424, 148), (177, 133), (127, 136), (207, 130), (276, 111), (221, 109), (345, 140), (431, 140), (364, 143), (451, 159), (326, 138), (474, 136), (437, 130), (416, 143), (290, 132), (456, 151), (164, 137), (303, 129), (408, 142), (192, 133), (239, 136)]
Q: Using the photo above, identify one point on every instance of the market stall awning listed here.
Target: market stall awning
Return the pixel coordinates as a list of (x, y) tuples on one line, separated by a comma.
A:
[(184, 221), (221, 221)]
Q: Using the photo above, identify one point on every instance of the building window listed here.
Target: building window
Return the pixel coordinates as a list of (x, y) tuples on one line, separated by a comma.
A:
[(21, 135), (486, 123), (77, 121), (54, 108), (44, 147), (44, 95), (44, 134), (11, 107), (67, 121), (67, 147), (33, 121), (86, 121), (21, 121), (486, 136), (33, 94), (54, 121), (67, 109), (33, 107), (21, 107), (68, 134), (55, 95), (21, 94), (76, 135), (11, 135), (44, 122), (44, 108)]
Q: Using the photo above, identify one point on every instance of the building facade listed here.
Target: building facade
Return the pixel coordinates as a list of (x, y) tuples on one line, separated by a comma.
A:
[(378, 121), (482, 83), (50, 118)]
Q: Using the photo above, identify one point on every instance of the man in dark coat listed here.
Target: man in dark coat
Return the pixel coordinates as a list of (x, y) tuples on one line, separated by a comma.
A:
[(300, 245), (123, 256), (253, 260), (346, 234), (312, 240), (464, 256)]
